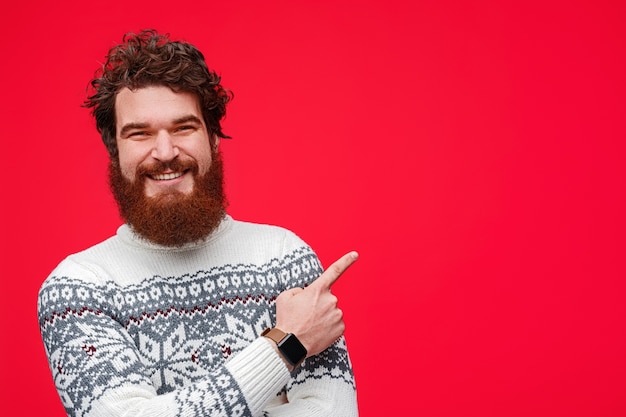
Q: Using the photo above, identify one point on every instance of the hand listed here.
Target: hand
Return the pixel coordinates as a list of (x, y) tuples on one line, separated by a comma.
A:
[(311, 313)]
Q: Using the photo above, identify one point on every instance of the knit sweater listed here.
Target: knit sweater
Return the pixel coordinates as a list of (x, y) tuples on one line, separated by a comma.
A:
[(136, 329)]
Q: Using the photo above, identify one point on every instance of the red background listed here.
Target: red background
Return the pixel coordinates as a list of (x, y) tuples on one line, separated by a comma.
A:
[(473, 152)]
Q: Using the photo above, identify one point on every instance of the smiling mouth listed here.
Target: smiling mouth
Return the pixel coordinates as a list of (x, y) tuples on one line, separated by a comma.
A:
[(168, 176)]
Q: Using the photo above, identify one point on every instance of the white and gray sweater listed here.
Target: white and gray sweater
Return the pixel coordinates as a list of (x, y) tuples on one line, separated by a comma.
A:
[(135, 329)]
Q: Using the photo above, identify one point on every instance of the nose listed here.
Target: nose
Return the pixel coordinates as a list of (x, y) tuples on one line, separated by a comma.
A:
[(164, 147)]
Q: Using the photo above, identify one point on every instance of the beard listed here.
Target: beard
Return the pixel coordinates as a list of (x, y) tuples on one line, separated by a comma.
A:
[(172, 218)]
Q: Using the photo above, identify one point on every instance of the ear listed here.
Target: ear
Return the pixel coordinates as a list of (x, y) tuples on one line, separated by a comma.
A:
[(215, 142)]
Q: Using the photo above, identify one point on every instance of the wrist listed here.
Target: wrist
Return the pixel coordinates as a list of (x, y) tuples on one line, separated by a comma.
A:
[(288, 347)]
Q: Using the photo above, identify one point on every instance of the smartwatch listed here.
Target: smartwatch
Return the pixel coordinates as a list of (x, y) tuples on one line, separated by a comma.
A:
[(288, 345)]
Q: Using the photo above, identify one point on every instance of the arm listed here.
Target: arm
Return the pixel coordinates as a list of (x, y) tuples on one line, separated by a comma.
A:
[(99, 371)]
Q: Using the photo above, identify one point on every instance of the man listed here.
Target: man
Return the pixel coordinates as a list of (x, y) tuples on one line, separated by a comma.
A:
[(185, 311)]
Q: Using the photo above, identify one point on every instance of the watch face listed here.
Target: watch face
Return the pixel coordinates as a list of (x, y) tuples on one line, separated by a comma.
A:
[(293, 350)]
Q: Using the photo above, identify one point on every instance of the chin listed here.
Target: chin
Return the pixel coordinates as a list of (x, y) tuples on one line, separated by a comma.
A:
[(169, 191)]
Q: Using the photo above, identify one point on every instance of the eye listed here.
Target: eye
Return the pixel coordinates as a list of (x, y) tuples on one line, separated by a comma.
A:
[(185, 129), (137, 134)]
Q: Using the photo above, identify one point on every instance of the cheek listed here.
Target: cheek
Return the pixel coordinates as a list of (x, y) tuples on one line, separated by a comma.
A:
[(204, 166), (129, 174), (128, 167), (205, 160), (129, 158)]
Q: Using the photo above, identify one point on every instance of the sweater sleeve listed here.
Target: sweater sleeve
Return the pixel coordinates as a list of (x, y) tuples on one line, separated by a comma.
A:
[(98, 369)]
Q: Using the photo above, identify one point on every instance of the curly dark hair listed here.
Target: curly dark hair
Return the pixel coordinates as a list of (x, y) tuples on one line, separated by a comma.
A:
[(149, 58)]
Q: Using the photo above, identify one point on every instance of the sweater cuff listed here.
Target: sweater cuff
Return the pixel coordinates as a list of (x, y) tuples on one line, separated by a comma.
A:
[(260, 373)]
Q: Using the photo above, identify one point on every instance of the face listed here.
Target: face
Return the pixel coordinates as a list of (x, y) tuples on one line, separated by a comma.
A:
[(168, 182), (162, 139)]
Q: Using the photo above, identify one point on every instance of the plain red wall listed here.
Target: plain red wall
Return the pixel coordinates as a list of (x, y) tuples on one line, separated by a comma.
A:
[(473, 152)]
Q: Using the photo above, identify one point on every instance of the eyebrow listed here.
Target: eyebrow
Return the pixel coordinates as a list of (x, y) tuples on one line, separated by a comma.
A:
[(130, 126), (187, 119), (181, 120)]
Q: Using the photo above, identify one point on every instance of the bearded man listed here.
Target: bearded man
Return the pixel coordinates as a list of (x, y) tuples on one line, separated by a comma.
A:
[(186, 311)]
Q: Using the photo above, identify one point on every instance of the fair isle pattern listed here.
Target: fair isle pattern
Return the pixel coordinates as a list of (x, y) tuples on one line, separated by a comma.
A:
[(172, 334)]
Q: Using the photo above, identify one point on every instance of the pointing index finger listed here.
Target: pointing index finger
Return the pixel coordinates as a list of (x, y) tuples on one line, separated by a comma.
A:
[(334, 271)]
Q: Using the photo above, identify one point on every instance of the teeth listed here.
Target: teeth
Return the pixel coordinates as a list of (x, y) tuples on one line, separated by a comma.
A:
[(170, 176)]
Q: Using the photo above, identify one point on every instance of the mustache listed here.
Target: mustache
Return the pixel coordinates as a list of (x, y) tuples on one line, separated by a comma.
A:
[(160, 167)]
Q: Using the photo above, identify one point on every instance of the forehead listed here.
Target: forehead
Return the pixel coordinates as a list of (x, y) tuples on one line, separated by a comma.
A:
[(154, 105)]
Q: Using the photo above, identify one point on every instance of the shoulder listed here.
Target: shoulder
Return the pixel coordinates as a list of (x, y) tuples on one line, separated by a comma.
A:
[(75, 279), (282, 241), (84, 268), (263, 231), (279, 247)]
